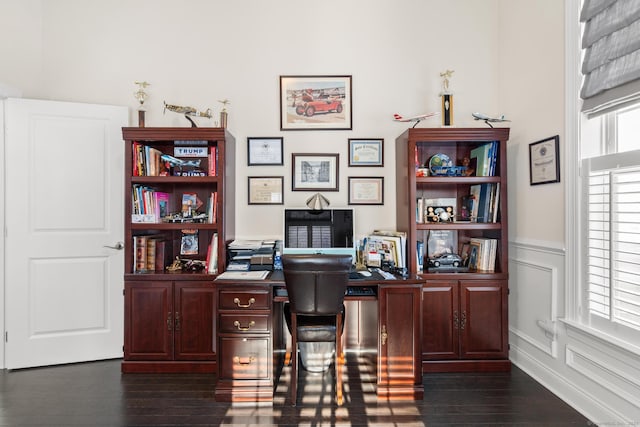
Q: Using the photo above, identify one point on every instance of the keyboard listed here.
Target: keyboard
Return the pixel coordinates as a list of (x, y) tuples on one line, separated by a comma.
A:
[(360, 291)]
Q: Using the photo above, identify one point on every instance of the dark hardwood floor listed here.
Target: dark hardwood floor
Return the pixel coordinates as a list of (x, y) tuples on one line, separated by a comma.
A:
[(97, 394)]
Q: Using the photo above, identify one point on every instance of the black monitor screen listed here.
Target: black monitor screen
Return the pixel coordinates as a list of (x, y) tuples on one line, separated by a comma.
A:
[(331, 228)]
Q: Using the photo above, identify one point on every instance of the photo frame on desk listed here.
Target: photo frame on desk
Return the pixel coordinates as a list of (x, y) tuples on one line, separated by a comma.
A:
[(315, 103), (314, 172), (544, 161), (265, 151), (266, 190), (366, 190), (366, 152)]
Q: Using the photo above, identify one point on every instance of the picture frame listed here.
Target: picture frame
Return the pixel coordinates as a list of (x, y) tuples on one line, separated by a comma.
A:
[(366, 190), (265, 151), (314, 172), (544, 161), (265, 190), (315, 103), (366, 152)]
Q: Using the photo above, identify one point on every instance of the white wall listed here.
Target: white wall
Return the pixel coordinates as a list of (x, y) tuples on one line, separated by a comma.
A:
[(197, 52), (591, 373)]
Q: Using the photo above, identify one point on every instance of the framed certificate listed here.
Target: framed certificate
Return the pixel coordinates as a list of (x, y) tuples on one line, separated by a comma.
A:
[(366, 152), (366, 190), (544, 161), (265, 151), (266, 190)]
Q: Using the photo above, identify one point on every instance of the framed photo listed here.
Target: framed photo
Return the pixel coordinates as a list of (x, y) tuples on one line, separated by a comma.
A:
[(315, 102), (366, 190), (366, 152), (544, 161), (265, 151), (266, 190), (314, 172)]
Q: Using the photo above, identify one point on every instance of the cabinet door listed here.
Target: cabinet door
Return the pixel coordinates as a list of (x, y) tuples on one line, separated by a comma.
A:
[(399, 363), (148, 333), (483, 319), (194, 320), (440, 320)]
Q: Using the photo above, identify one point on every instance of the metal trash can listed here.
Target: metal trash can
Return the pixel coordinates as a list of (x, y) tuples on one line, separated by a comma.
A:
[(316, 356)]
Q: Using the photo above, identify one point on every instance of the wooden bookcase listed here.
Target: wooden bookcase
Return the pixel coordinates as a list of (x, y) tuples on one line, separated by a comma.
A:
[(464, 312), (170, 315)]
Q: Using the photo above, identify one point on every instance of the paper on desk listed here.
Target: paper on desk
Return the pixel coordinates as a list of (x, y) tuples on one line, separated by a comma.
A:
[(243, 275)]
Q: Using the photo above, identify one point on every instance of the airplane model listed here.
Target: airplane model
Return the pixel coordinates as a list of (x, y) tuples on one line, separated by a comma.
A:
[(417, 119), (488, 119), (187, 111), (179, 162)]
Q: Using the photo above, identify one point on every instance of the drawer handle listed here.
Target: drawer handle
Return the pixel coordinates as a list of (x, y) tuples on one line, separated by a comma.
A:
[(250, 360), (236, 301), (236, 323)]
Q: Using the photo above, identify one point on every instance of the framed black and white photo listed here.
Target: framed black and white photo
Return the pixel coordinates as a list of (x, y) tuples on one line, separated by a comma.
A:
[(266, 190), (544, 161), (314, 172), (366, 152), (265, 151), (315, 103), (366, 190)]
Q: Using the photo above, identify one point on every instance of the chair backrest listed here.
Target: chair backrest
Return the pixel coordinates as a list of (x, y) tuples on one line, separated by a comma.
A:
[(316, 282)]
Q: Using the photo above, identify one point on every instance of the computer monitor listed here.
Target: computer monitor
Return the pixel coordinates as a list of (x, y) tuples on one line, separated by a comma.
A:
[(328, 231)]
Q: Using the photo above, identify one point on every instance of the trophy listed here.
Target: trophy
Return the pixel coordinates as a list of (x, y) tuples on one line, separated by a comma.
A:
[(223, 113), (447, 99), (141, 96)]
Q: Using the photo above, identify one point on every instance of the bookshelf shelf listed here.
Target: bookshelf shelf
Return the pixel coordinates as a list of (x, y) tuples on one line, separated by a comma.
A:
[(465, 310)]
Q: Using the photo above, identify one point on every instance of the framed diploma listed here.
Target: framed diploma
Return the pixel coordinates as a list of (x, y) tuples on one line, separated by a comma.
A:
[(366, 190), (265, 151), (266, 190), (366, 152), (544, 161)]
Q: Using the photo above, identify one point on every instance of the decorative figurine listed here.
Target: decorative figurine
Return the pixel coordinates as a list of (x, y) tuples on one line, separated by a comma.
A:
[(447, 99), (141, 96), (223, 114), (188, 111)]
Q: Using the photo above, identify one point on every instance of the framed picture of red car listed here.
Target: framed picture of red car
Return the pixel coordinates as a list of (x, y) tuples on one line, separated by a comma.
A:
[(315, 103)]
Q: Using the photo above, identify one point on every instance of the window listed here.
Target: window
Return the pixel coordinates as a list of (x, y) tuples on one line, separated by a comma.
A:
[(611, 225)]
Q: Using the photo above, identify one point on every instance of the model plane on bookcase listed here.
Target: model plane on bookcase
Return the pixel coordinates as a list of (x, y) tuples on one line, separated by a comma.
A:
[(489, 119), (417, 119)]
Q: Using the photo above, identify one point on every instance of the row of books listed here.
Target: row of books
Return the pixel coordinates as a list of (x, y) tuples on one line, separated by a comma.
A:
[(150, 205), (482, 204), (484, 158), (482, 253), (150, 161), (150, 253)]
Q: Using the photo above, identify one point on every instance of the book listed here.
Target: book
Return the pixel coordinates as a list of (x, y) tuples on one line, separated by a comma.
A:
[(420, 255), (150, 264), (212, 255), (161, 205), (140, 254), (163, 255), (189, 242), (440, 242)]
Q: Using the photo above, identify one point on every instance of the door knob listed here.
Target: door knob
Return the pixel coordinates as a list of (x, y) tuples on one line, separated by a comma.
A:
[(118, 246)]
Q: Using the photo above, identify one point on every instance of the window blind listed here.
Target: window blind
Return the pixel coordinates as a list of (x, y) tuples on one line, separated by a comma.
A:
[(611, 47), (613, 241)]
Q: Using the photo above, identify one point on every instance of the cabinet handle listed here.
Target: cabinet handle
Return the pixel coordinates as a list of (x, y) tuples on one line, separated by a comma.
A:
[(169, 322), (456, 322), (463, 320), (238, 361), (236, 323), (384, 335), (177, 321), (236, 301)]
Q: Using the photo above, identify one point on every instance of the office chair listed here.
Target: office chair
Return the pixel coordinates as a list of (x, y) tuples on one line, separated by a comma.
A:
[(316, 285)]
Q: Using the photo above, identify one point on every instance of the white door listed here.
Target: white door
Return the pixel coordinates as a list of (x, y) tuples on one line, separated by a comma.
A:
[(64, 209)]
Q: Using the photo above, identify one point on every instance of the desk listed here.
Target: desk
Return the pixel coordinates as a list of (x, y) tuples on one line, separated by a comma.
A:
[(252, 337)]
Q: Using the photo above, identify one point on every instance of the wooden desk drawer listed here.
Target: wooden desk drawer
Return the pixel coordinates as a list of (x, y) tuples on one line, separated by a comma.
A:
[(243, 323), (244, 359), (250, 299)]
